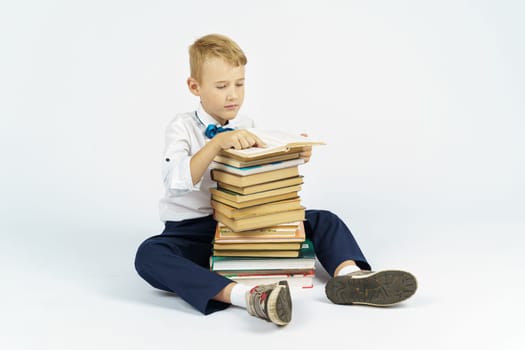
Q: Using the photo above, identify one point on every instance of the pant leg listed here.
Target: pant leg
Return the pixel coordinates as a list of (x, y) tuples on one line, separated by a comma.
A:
[(178, 261), (333, 242)]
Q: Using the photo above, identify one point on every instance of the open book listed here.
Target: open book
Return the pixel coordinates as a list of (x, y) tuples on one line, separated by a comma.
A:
[(277, 142)]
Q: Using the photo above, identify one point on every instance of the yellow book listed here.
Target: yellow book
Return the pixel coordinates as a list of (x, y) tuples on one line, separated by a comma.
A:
[(245, 224), (255, 202), (258, 246), (241, 198), (256, 210), (255, 179), (291, 181), (259, 253), (287, 232)]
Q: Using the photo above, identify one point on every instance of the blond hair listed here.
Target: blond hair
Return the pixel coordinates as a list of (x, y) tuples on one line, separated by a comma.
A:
[(214, 45)]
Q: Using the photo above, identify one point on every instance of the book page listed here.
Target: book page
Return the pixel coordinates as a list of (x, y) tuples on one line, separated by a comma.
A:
[(275, 140)]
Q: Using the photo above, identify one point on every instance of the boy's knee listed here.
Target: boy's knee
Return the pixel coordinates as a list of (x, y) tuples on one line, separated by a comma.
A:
[(144, 255)]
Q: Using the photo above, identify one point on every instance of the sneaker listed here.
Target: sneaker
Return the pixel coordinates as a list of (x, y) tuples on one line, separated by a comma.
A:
[(271, 302), (381, 288)]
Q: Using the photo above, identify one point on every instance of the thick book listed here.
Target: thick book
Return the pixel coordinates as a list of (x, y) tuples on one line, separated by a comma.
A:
[(277, 143), (244, 224), (254, 179), (240, 164), (258, 253), (258, 246), (288, 232), (256, 169), (257, 210), (241, 198), (295, 280), (291, 181), (305, 260), (256, 202)]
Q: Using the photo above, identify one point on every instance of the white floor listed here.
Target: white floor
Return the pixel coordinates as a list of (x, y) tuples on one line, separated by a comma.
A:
[(82, 293)]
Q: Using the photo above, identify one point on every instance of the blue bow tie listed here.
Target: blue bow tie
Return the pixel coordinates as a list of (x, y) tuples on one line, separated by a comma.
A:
[(213, 130)]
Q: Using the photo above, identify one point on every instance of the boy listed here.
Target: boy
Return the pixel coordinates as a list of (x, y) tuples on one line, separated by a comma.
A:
[(178, 259)]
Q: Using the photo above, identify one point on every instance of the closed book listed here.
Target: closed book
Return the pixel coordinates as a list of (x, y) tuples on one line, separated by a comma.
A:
[(277, 143), (258, 246), (257, 210), (305, 260), (241, 198), (288, 232), (291, 181), (295, 280), (254, 202), (256, 169), (254, 222), (240, 164), (258, 253), (255, 179)]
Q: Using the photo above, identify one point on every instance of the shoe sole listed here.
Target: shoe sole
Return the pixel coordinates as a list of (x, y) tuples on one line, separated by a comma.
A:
[(381, 288), (280, 305)]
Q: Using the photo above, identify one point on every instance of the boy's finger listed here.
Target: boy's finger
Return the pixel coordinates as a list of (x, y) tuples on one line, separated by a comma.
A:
[(258, 142)]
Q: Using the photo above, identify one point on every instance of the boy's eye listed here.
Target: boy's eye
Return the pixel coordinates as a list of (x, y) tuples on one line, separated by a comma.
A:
[(240, 84), (221, 86)]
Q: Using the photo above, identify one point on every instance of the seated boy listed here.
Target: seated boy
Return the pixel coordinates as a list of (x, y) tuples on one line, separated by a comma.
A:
[(177, 260)]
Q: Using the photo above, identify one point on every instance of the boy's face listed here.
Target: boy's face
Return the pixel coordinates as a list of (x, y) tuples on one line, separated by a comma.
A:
[(221, 89)]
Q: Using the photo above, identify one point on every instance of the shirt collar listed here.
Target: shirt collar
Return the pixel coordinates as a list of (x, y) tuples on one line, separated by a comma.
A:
[(204, 119)]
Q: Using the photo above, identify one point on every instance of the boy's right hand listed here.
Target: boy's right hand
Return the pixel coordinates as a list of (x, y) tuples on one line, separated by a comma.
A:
[(238, 139)]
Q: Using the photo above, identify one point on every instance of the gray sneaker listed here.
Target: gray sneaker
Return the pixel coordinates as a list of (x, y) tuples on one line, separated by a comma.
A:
[(271, 302), (381, 288)]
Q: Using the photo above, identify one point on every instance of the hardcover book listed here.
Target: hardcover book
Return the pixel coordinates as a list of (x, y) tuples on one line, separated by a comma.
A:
[(256, 210), (250, 223), (241, 198), (291, 181), (288, 232), (254, 179)]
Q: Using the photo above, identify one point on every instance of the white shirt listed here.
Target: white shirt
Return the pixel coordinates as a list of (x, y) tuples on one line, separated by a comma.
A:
[(184, 137)]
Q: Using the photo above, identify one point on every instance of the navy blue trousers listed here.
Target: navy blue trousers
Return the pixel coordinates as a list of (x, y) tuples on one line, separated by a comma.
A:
[(178, 260)]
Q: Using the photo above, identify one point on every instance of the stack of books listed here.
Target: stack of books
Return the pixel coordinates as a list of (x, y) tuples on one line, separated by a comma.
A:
[(256, 203), (266, 255)]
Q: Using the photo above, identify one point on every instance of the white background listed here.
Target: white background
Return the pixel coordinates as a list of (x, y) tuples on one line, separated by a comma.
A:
[(421, 104)]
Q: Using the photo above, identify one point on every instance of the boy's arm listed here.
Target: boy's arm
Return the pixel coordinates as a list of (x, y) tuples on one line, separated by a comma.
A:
[(238, 139)]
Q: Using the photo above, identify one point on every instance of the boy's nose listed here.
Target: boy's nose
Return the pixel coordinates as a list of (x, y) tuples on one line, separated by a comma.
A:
[(232, 94)]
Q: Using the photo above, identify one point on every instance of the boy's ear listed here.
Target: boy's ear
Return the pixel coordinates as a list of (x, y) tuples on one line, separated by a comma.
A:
[(193, 85)]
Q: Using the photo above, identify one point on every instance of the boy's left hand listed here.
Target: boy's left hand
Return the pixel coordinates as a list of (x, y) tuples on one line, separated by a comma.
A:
[(306, 152)]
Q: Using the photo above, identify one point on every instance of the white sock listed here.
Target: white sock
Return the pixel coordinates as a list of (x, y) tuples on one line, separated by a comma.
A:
[(238, 294), (348, 269)]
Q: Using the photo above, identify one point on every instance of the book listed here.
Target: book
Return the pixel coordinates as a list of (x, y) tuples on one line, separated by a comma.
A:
[(305, 260), (256, 169), (250, 223), (258, 253), (255, 202), (296, 180), (240, 164), (288, 232), (254, 179), (277, 143), (258, 246), (295, 280), (256, 210), (241, 198)]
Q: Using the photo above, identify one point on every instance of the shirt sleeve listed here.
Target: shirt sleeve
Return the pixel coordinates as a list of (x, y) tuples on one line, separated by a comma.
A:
[(176, 171)]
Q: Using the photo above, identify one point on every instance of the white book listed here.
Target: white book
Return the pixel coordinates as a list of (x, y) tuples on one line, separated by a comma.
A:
[(256, 169)]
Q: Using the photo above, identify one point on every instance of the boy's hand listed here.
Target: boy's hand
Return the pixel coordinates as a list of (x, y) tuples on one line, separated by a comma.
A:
[(238, 139), (306, 152)]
